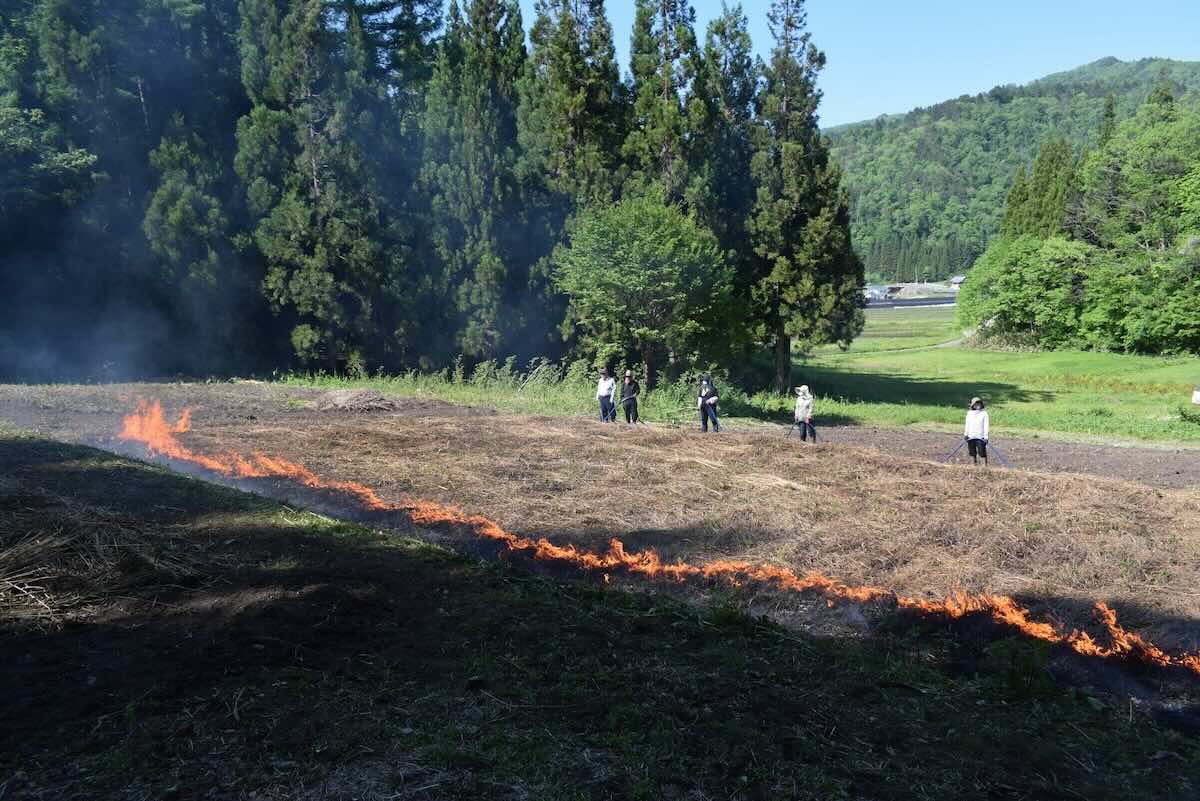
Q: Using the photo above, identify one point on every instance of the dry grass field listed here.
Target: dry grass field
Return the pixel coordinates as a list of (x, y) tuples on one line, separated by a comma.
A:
[(1059, 542)]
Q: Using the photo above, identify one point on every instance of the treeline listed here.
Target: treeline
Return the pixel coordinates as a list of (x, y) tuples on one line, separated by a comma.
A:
[(928, 187), (1101, 249), (226, 186)]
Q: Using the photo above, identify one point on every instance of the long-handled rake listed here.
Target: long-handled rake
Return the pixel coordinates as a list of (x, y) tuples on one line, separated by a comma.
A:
[(954, 452), (1000, 453), (990, 444), (624, 401), (793, 428)]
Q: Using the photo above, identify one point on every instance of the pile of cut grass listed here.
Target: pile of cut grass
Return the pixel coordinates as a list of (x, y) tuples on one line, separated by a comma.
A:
[(59, 556)]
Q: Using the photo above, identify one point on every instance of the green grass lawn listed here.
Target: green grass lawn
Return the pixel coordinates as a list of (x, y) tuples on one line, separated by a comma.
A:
[(1064, 393), (300, 657), (895, 329)]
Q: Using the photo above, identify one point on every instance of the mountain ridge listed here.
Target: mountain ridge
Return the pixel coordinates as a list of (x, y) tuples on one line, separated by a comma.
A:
[(928, 185)]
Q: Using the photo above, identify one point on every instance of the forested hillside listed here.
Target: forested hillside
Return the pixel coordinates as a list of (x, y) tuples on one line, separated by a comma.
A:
[(928, 187), (353, 185), (1101, 252)]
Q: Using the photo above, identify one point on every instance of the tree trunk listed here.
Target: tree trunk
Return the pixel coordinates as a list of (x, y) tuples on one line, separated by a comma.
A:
[(648, 364), (783, 358)]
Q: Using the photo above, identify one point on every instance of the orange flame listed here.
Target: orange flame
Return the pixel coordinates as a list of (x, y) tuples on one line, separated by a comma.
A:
[(148, 426)]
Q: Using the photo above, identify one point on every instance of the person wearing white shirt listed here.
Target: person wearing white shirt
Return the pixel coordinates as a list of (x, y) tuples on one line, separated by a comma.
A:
[(606, 390), (804, 413), (976, 431)]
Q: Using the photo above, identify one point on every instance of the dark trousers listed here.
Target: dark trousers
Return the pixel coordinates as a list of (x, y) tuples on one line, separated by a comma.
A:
[(806, 427), (977, 447), (631, 415), (708, 410), (607, 412)]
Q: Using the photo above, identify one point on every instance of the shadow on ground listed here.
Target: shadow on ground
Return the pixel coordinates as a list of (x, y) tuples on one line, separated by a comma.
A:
[(881, 387)]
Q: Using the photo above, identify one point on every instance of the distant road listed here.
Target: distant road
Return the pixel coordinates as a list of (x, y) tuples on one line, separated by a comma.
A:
[(910, 302)]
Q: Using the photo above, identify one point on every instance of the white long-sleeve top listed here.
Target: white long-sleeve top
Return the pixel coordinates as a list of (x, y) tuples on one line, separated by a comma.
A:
[(977, 424), (606, 388), (804, 407)]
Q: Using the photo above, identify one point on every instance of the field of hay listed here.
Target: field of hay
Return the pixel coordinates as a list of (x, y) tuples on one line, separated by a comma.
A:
[(1058, 542)]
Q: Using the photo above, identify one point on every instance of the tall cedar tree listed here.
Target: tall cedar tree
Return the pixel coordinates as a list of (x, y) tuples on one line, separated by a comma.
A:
[(321, 218), (808, 282), (722, 120), (664, 61), (105, 85), (471, 152), (570, 116)]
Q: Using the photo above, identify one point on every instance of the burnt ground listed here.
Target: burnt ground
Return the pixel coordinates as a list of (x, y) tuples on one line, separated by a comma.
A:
[(223, 646)]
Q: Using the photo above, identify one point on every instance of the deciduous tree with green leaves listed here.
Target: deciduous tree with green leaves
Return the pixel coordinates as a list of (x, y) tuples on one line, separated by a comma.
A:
[(642, 276)]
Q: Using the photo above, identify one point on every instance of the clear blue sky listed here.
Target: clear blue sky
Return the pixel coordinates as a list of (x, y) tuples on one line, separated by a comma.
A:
[(887, 56)]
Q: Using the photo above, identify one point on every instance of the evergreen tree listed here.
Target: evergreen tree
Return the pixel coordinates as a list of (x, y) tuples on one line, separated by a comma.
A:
[(664, 62), (321, 218), (1108, 121), (721, 114), (807, 283), (470, 171), (1015, 206), (570, 115)]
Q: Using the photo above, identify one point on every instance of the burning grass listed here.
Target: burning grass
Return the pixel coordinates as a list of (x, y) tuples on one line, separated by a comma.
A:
[(943, 535)]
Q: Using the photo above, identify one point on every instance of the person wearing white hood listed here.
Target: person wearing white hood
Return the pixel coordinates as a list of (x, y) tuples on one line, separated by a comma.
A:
[(804, 413), (976, 431), (606, 390)]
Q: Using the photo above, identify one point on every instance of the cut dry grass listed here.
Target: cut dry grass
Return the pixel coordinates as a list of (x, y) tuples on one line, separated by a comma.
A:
[(917, 527), (58, 555)]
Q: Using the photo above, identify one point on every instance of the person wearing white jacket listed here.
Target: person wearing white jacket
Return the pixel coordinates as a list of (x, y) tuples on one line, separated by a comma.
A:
[(976, 431), (804, 413)]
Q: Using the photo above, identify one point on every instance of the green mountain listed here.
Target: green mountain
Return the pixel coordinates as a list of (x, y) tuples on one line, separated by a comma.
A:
[(928, 187)]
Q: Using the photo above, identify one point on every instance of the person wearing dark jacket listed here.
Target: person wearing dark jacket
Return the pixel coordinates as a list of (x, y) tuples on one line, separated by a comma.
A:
[(630, 389), (706, 403)]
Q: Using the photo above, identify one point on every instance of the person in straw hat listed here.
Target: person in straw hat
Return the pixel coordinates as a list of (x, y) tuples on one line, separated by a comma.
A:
[(804, 413), (976, 431)]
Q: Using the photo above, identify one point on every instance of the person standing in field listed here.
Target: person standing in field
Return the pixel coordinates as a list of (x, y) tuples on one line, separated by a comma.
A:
[(707, 404), (630, 389), (606, 390), (804, 413), (976, 431)]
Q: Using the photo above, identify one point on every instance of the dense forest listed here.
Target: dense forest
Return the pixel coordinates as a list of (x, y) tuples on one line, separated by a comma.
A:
[(928, 187), (217, 186), (1100, 248)]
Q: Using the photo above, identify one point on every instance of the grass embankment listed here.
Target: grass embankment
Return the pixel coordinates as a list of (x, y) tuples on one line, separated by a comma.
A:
[(1064, 393), (249, 650)]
